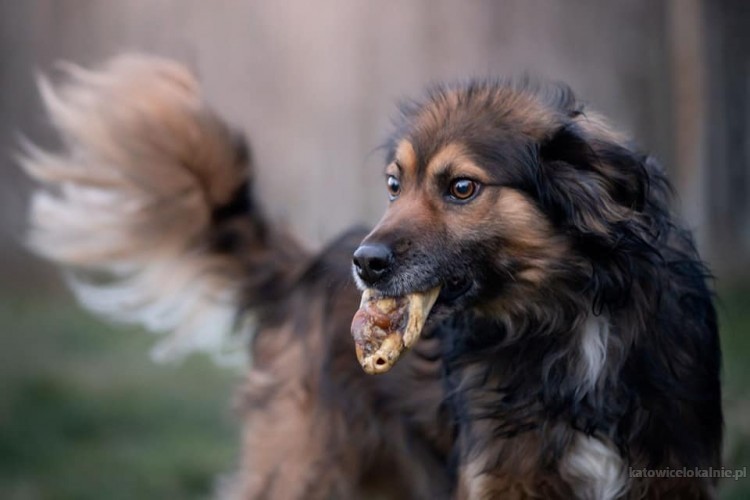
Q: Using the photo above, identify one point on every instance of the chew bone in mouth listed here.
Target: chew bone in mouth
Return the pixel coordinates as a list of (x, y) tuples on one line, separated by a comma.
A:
[(384, 327)]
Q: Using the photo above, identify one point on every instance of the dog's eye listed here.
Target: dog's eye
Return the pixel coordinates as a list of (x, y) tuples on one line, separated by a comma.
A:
[(394, 186), (463, 189)]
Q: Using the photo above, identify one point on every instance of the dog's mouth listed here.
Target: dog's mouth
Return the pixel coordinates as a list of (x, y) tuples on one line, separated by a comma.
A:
[(384, 327)]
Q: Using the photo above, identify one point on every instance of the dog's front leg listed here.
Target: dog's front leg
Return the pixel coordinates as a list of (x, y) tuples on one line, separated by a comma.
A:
[(289, 452), (294, 445)]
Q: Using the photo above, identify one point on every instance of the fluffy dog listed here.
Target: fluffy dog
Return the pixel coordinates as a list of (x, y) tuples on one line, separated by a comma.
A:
[(573, 340)]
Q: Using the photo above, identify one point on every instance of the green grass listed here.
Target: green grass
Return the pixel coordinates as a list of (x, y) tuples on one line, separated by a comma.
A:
[(734, 314), (85, 414)]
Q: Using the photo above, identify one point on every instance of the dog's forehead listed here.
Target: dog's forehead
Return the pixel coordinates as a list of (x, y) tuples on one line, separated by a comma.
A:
[(466, 121), (437, 133)]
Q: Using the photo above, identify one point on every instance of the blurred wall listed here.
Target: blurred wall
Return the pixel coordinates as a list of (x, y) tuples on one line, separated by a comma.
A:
[(314, 84)]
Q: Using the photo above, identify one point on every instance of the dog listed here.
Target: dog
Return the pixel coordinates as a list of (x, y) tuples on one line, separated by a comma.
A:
[(573, 341)]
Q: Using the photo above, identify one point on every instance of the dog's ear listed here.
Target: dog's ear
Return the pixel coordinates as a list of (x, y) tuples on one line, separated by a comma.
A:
[(589, 184), (596, 189)]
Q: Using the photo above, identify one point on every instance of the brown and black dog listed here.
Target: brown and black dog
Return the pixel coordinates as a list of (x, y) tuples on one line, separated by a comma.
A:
[(573, 342)]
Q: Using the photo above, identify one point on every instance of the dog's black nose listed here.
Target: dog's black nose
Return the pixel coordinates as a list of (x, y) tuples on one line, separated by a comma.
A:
[(372, 261)]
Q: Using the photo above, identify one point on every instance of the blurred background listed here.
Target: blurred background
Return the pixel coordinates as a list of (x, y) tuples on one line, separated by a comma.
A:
[(85, 414)]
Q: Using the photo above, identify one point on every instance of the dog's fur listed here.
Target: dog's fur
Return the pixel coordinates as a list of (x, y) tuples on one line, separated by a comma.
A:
[(575, 336)]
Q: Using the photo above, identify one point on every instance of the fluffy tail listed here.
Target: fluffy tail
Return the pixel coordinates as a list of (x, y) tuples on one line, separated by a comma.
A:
[(148, 205)]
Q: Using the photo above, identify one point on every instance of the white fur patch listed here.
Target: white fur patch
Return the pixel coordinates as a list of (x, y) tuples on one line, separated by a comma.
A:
[(593, 348), (594, 469)]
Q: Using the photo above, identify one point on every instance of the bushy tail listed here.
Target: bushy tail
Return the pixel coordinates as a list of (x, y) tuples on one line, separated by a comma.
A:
[(148, 205)]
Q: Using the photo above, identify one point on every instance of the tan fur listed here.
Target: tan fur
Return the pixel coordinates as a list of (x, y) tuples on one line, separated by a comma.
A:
[(405, 156), (283, 425)]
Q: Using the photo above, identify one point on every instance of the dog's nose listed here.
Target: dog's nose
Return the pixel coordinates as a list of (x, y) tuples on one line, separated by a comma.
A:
[(372, 261)]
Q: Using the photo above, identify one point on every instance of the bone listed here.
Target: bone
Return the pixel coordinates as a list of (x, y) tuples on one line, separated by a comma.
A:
[(384, 327)]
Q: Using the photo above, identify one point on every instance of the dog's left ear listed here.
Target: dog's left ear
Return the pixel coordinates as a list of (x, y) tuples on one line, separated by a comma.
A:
[(591, 183), (595, 188)]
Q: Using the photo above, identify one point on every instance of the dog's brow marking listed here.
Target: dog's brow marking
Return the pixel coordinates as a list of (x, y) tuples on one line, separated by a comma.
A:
[(594, 469), (406, 157), (453, 159)]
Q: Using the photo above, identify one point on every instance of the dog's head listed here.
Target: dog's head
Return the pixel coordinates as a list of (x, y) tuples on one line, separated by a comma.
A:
[(501, 193)]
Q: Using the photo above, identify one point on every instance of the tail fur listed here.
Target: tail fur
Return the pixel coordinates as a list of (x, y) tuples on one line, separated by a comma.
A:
[(148, 206)]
